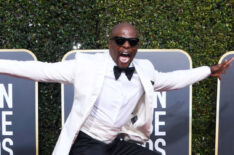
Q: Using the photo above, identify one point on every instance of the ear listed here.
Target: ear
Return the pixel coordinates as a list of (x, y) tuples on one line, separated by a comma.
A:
[(109, 44)]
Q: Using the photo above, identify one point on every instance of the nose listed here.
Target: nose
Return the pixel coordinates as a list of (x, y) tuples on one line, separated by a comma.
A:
[(126, 44)]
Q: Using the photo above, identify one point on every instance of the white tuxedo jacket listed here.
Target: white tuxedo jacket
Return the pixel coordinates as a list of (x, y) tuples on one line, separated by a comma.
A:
[(86, 72)]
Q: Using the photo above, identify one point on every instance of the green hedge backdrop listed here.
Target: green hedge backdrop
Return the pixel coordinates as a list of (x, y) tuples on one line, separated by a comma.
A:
[(51, 28)]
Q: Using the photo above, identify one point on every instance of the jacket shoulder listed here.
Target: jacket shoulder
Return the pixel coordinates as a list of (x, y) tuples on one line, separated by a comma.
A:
[(88, 57), (144, 64), (82, 55), (146, 67)]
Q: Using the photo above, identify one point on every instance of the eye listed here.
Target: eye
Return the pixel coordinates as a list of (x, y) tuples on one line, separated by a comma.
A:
[(133, 42), (120, 41)]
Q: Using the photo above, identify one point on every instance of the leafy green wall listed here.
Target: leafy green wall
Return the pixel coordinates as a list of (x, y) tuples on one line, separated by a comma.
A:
[(51, 28)]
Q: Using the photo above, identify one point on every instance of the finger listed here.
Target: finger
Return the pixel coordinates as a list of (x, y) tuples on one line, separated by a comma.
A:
[(232, 58), (227, 63), (224, 63)]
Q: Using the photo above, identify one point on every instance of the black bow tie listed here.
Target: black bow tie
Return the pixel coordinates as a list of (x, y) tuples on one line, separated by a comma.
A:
[(128, 71)]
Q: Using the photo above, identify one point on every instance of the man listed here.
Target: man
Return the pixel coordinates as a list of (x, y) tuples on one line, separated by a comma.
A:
[(111, 112)]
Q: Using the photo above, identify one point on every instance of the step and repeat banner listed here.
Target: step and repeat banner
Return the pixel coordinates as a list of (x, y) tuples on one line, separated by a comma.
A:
[(172, 115), (225, 111), (18, 110)]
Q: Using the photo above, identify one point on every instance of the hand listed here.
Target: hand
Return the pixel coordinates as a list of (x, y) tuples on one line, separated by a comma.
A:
[(218, 70)]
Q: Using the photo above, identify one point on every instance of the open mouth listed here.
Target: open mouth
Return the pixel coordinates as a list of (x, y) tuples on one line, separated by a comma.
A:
[(124, 57)]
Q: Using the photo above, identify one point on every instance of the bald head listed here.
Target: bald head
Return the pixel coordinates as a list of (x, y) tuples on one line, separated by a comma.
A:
[(123, 44), (124, 28)]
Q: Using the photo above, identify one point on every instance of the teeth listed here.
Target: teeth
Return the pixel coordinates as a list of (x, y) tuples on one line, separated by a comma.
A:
[(125, 54), (124, 59)]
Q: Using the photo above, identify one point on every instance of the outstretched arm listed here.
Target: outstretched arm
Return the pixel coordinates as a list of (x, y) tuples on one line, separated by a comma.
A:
[(181, 78), (61, 72), (218, 70)]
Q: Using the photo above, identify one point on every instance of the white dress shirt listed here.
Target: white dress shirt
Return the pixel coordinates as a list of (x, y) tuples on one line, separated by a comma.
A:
[(118, 98)]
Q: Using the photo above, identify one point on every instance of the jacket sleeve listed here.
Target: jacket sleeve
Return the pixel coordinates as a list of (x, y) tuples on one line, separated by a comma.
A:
[(179, 79), (62, 72)]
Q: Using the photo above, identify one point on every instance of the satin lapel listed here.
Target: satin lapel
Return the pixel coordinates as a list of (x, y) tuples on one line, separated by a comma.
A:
[(100, 70), (147, 87), (145, 82)]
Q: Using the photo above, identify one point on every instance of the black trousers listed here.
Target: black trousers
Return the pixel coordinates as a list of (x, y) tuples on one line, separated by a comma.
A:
[(85, 145)]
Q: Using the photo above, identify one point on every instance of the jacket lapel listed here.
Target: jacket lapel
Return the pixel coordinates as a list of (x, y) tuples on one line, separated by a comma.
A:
[(148, 93), (144, 80), (100, 70)]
